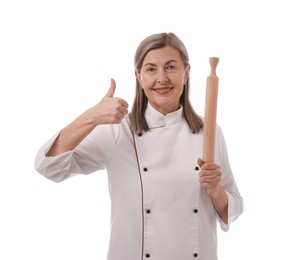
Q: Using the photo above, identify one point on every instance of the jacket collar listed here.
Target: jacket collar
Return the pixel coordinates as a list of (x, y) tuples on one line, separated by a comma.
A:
[(156, 119)]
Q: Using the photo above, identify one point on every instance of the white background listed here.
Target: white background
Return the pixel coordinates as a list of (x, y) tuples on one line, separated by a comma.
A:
[(56, 60)]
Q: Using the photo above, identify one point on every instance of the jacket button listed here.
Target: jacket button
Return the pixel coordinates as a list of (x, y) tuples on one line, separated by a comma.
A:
[(148, 255), (195, 255), (196, 168), (148, 211), (140, 134), (145, 169), (195, 210)]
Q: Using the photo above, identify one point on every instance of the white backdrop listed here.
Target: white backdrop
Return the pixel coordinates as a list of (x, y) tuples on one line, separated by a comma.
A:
[(56, 60)]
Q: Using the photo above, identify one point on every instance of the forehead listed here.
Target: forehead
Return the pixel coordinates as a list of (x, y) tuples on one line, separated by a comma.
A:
[(162, 55)]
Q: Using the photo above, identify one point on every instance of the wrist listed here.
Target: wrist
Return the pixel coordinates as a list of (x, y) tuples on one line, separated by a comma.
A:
[(218, 193), (89, 119)]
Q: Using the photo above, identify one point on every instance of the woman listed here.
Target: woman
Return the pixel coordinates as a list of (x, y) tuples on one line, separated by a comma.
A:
[(165, 201)]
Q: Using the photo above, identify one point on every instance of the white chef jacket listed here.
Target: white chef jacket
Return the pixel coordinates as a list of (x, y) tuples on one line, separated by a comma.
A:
[(159, 210)]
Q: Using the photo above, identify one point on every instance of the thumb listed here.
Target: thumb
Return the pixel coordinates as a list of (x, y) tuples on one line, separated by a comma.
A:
[(200, 162), (112, 88)]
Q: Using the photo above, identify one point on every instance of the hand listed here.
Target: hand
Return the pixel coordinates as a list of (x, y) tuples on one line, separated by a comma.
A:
[(110, 110), (210, 177)]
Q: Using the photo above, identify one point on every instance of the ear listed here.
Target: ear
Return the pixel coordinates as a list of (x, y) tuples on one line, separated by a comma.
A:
[(186, 73), (137, 75)]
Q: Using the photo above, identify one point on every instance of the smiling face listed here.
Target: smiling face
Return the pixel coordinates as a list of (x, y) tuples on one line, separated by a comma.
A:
[(162, 77)]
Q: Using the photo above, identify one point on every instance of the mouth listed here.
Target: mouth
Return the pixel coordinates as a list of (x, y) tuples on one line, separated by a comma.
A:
[(163, 91)]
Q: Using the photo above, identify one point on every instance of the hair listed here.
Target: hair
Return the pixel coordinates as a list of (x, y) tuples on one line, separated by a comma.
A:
[(137, 114)]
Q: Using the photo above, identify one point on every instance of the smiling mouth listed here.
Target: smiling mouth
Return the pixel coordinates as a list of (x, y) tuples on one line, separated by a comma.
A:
[(163, 91)]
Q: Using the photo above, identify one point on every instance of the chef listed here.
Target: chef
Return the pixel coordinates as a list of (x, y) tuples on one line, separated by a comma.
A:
[(165, 201)]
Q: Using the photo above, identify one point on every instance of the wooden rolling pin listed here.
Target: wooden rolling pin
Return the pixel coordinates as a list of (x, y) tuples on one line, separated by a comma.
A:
[(210, 112)]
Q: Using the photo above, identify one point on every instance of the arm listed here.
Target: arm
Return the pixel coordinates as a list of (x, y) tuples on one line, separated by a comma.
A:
[(210, 178), (83, 147), (219, 182), (108, 111), (220, 202)]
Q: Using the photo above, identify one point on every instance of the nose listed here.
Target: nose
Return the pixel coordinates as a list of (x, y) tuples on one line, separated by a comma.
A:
[(162, 77)]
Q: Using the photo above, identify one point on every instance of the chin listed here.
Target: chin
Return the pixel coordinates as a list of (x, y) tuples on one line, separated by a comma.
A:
[(164, 107)]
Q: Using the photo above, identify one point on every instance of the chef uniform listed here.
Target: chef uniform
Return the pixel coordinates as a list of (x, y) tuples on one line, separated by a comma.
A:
[(159, 210)]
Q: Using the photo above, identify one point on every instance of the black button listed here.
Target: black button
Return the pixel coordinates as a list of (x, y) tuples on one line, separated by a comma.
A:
[(148, 255), (140, 134), (145, 169), (195, 210), (197, 168), (195, 255), (148, 211)]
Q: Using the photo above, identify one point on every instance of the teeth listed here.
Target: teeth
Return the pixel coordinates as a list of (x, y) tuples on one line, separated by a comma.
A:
[(163, 90)]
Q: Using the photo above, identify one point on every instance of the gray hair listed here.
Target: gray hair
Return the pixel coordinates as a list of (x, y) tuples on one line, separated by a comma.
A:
[(137, 114)]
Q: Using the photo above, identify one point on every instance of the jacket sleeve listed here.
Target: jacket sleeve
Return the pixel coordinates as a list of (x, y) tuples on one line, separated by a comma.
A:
[(235, 200), (90, 155)]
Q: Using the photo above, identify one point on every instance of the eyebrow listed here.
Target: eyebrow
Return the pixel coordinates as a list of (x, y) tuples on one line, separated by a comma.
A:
[(152, 64)]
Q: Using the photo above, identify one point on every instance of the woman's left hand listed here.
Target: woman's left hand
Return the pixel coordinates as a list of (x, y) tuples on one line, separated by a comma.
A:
[(210, 177)]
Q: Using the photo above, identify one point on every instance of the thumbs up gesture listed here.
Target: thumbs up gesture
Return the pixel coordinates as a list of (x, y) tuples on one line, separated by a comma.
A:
[(110, 110), (112, 89)]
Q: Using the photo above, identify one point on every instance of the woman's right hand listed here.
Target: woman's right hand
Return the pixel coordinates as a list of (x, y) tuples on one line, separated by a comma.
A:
[(110, 110)]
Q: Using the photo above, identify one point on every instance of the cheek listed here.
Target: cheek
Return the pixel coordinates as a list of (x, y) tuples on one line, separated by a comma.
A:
[(141, 80), (146, 83)]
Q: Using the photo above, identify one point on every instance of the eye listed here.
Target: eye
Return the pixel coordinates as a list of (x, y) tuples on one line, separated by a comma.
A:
[(170, 67), (151, 69)]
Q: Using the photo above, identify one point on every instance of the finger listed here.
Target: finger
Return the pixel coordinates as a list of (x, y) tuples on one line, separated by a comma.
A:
[(124, 110), (211, 179), (123, 103), (200, 162), (209, 166), (210, 173), (112, 88)]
